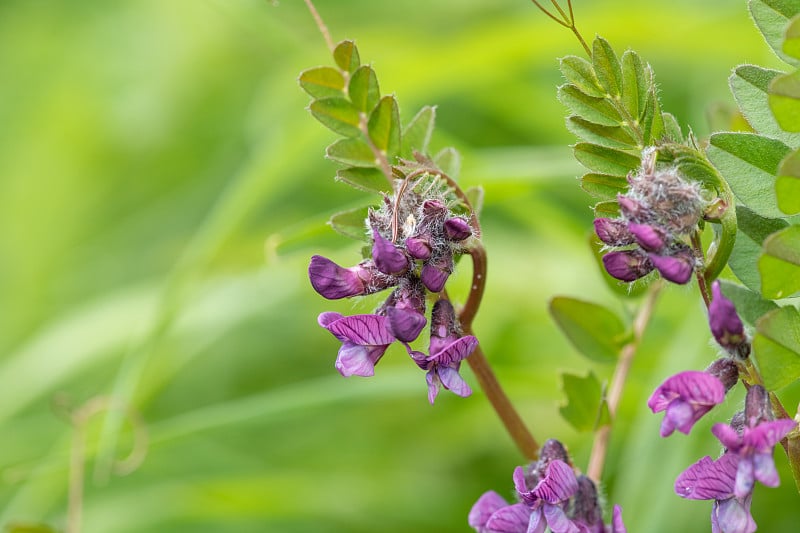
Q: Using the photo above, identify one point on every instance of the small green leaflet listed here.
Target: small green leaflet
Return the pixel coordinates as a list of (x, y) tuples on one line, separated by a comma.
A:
[(592, 329), (351, 223), (417, 134), (753, 229), (772, 17), (346, 56), (337, 114), (776, 347), (780, 264), (586, 408), (322, 82), (787, 186), (384, 126)]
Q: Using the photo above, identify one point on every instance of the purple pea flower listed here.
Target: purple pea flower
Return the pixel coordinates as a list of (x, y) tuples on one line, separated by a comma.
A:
[(650, 238), (436, 270), (457, 229), (489, 503), (419, 247), (676, 267), (686, 397), (725, 323), (548, 498), (364, 339), (334, 282), (388, 258), (613, 231), (715, 480), (627, 265)]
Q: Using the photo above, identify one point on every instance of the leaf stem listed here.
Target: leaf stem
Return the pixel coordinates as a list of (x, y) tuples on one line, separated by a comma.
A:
[(603, 434), (323, 29), (697, 246), (568, 21)]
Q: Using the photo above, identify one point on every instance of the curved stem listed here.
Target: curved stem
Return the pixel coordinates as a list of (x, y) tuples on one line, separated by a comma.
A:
[(323, 29), (700, 272), (600, 445)]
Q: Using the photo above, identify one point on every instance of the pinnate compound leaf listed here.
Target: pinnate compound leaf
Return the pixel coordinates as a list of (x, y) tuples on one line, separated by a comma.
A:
[(580, 74), (337, 114), (772, 18), (749, 162), (384, 126), (597, 110), (354, 152), (448, 160), (610, 136), (784, 100), (365, 179), (776, 347), (753, 230), (750, 86), (780, 263), (346, 56), (749, 304), (603, 186), (636, 83), (607, 67), (322, 82), (363, 89), (586, 408), (351, 223), (605, 160), (417, 134), (787, 186), (593, 330)]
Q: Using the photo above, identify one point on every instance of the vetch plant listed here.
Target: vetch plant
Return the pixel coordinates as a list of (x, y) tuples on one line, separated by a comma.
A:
[(669, 207)]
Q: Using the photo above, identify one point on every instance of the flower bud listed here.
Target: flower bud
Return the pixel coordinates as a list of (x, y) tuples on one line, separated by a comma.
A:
[(725, 323), (419, 247), (725, 370), (633, 210), (434, 209), (650, 238), (388, 258), (676, 268), (613, 232), (757, 408), (587, 510), (435, 272), (457, 229), (444, 328), (405, 310), (627, 265)]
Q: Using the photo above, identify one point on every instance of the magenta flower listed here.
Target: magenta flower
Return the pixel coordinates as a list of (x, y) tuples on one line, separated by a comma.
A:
[(419, 247), (489, 503), (334, 282), (457, 229), (686, 397), (725, 323), (435, 272), (677, 267), (650, 238), (627, 265), (548, 498), (388, 258), (364, 339)]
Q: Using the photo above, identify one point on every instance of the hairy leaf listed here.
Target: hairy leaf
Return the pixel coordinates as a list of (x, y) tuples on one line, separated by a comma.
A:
[(784, 100), (597, 110), (363, 89), (366, 179), (346, 56), (608, 208), (776, 347), (780, 263), (448, 160), (652, 123), (384, 126), (610, 136), (672, 129), (417, 134), (753, 230), (787, 186), (354, 152), (351, 223), (749, 85), (586, 408), (749, 162), (322, 82), (337, 114), (772, 17), (636, 83), (603, 186), (580, 73), (592, 329), (475, 196), (791, 42), (606, 67), (605, 160)]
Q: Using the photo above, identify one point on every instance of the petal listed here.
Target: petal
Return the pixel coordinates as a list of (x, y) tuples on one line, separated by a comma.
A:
[(766, 435), (694, 386), (677, 269), (733, 516), (511, 519), (455, 351), (650, 238), (432, 378), (727, 436), (405, 325), (487, 504), (362, 329), (764, 469), (327, 318), (536, 523), (708, 479), (680, 416), (519, 482), (332, 281), (617, 525), (418, 247), (354, 360), (557, 520), (744, 478), (434, 276), (388, 258), (452, 381), (613, 231), (558, 484)]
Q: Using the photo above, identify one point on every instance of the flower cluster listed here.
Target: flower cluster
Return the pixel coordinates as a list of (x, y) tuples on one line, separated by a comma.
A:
[(549, 495), (656, 214), (414, 240)]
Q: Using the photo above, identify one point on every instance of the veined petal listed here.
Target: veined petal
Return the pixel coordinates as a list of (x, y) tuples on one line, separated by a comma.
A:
[(708, 479), (452, 381), (693, 386), (727, 436), (766, 435), (745, 478), (354, 360), (362, 329), (680, 416), (519, 482), (733, 516), (764, 469), (536, 522), (388, 258), (557, 520), (510, 519), (558, 484), (432, 378), (456, 351), (617, 525), (484, 508), (333, 281), (327, 318)]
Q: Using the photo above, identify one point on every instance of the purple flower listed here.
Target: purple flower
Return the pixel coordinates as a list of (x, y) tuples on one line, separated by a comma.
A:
[(650, 238), (715, 480), (419, 247), (753, 449), (676, 268), (617, 525), (686, 397), (405, 310), (364, 340), (435, 272), (388, 258), (548, 498), (613, 232), (627, 265), (334, 282), (488, 504), (457, 229), (725, 323)]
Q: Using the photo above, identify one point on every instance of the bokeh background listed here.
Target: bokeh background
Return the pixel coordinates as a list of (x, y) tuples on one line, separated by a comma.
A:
[(162, 189)]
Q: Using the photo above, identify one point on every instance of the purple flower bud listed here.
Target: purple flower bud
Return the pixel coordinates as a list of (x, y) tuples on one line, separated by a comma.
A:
[(685, 397), (675, 268), (627, 265), (726, 371), (553, 450), (457, 229), (405, 325), (726, 325), (633, 210), (617, 525), (419, 247), (435, 272), (613, 232), (757, 407), (333, 282), (650, 238), (434, 209), (388, 258), (586, 507)]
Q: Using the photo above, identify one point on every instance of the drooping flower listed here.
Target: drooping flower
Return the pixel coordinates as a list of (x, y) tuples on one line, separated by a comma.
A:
[(389, 259), (686, 397), (613, 231), (627, 265), (334, 282), (548, 498), (364, 339), (676, 267), (726, 326)]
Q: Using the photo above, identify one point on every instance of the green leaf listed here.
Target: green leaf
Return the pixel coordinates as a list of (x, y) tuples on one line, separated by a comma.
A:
[(791, 38), (384, 126), (749, 162), (337, 114), (606, 67), (366, 179), (749, 304), (776, 347), (597, 110), (780, 264), (609, 208), (603, 186), (772, 17), (475, 196), (652, 123), (753, 230), (672, 129), (417, 134), (580, 73), (586, 408), (636, 82), (353, 152), (750, 85), (322, 82), (363, 89), (448, 160), (610, 136), (346, 56), (351, 223), (784, 100), (592, 329), (787, 186), (605, 160)]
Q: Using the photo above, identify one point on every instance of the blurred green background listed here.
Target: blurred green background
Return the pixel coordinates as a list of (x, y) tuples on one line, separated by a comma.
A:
[(163, 188)]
